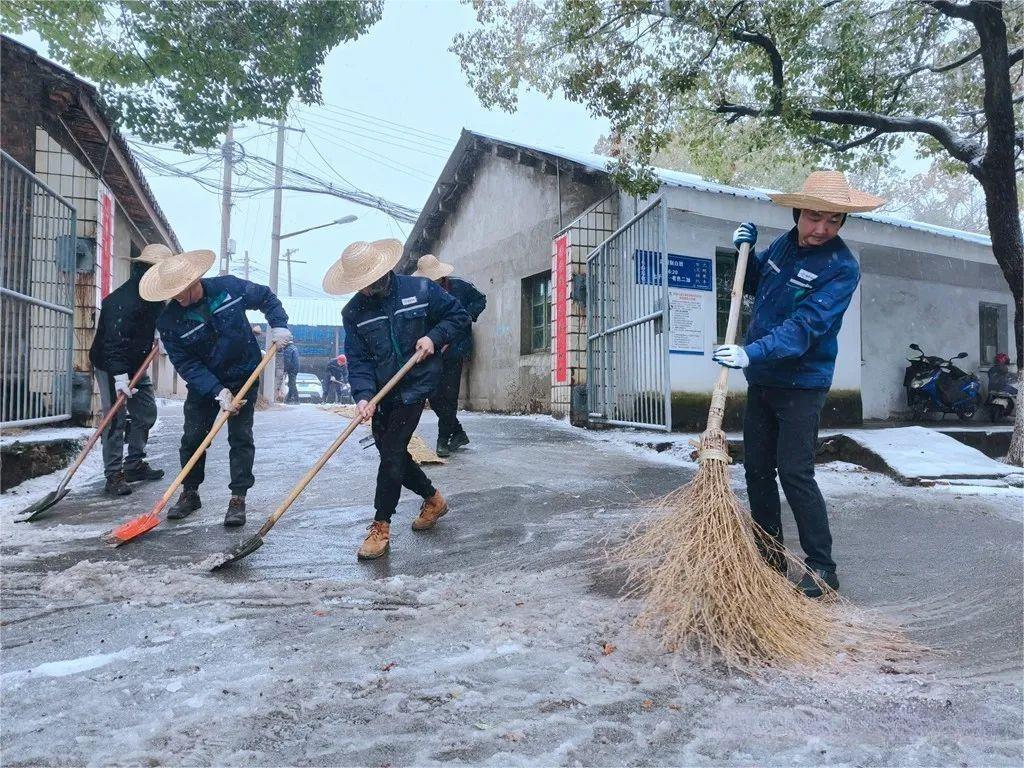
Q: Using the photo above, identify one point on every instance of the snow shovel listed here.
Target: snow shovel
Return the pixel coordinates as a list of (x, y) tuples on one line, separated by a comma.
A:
[(35, 511), (134, 528), (251, 545)]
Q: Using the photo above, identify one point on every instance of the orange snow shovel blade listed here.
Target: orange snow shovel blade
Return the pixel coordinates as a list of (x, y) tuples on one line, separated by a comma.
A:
[(131, 529)]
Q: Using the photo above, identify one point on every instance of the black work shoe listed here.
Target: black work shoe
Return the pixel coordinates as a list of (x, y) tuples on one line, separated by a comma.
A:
[(826, 582), (142, 473), (186, 504), (442, 449), (117, 485), (458, 440), (235, 515)]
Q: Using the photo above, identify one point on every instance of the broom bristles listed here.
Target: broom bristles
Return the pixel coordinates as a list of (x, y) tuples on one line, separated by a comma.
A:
[(705, 584)]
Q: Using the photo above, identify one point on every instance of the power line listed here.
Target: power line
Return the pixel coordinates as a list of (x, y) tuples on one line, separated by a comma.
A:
[(407, 128)]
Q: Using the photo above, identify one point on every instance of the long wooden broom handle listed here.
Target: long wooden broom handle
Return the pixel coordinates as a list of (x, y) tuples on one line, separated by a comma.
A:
[(222, 418), (356, 420), (717, 410), (107, 418)]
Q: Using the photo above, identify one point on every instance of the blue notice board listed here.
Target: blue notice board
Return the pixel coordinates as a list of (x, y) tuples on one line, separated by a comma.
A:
[(689, 272)]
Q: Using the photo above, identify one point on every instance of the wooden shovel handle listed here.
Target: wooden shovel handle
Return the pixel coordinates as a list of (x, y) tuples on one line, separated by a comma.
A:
[(717, 410), (222, 418), (301, 485), (107, 418)]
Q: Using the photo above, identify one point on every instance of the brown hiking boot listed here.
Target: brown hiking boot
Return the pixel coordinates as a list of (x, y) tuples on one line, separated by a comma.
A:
[(376, 543), (431, 509)]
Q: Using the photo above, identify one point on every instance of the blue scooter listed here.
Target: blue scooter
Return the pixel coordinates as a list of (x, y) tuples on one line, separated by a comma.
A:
[(936, 385)]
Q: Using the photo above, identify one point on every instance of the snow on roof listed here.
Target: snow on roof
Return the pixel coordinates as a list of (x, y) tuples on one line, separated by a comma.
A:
[(321, 312), (691, 181)]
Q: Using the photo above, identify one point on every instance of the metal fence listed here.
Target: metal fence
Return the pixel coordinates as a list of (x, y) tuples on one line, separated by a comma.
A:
[(37, 291), (627, 325)]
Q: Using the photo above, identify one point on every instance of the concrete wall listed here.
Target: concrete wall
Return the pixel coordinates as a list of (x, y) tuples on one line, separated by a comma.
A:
[(500, 234), (923, 299)]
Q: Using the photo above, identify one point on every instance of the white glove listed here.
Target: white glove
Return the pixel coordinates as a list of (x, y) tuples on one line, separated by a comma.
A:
[(121, 385), (224, 397), (745, 233), (280, 336), (731, 356)]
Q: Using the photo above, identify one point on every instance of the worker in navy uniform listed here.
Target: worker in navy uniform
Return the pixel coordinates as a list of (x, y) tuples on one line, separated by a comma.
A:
[(213, 348), (445, 400), (390, 319), (124, 337), (802, 285)]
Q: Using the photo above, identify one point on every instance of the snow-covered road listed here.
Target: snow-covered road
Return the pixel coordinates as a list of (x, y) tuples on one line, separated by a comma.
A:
[(497, 638)]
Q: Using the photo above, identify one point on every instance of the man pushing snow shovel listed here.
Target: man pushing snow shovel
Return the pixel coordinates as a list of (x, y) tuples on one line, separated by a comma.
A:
[(212, 347), (391, 318), (802, 285)]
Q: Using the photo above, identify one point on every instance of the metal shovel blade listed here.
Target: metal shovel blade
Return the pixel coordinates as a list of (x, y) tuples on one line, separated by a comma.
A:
[(35, 511), (133, 528), (244, 549)]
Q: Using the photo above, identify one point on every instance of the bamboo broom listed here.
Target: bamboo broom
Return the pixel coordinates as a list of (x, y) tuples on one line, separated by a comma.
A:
[(697, 566)]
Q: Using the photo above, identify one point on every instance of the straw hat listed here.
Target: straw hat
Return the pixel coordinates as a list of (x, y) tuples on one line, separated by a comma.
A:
[(154, 253), (174, 274), (828, 191), (431, 267), (361, 264)]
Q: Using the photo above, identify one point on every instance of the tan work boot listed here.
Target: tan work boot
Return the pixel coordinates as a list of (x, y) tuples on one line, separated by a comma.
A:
[(376, 543), (431, 509)]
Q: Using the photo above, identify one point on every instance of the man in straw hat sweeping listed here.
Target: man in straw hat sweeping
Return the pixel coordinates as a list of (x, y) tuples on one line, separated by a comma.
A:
[(212, 346), (445, 400), (391, 318), (802, 284), (124, 337)]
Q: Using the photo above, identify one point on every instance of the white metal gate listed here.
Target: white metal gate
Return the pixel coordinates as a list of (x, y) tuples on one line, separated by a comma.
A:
[(627, 325), (37, 284)]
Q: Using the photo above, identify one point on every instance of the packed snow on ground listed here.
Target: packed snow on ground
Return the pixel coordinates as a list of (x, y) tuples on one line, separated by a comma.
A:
[(917, 452), (511, 645), (43, 435)]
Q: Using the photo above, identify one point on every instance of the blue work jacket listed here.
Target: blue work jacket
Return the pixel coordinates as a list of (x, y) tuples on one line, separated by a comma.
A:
[(474, 302), (211, 343), (800, 296), (381, 335)]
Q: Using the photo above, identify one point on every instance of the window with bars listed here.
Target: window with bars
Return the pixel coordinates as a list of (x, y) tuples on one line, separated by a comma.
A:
[(992, 320), (725, 270), (536, 313)]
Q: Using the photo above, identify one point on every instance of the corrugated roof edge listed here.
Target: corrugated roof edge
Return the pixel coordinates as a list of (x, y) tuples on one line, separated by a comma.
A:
[(691, 181)]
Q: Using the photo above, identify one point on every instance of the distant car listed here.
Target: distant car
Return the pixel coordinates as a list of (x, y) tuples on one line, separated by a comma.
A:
[(309, 387)]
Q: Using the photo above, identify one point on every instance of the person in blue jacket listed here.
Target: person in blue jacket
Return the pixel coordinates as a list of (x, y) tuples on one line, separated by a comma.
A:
[(445, 401), (391, 318), (802, 285), (212, 347)]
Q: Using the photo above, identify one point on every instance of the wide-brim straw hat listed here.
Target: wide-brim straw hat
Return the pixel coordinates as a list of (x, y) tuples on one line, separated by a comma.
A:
[(154, 253), (362, 264), (172, 275), (828, 191), (431, 267)]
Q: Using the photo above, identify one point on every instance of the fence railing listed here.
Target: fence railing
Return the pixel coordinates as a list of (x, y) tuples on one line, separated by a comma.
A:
[(37, 292), (627, 325)]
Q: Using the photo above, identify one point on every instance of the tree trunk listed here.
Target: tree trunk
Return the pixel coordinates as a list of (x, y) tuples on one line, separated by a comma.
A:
[(997, 174), (1015, 455)]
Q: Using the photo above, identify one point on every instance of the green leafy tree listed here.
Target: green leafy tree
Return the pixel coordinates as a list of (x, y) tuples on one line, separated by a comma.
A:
[(830, 77), (181, 70)]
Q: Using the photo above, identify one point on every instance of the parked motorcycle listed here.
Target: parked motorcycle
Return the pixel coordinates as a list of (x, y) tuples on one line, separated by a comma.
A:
[(936, 385), (1001, 393)]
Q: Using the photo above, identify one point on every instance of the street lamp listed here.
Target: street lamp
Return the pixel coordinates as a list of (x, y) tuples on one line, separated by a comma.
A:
[(343, 220)]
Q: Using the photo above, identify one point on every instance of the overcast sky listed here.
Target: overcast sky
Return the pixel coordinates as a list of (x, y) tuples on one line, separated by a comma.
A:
[(399, 74)]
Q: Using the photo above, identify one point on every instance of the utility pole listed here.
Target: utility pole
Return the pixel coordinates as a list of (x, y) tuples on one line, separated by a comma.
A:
[(275, 246), (245, 264), (226, 150), (287, 258)]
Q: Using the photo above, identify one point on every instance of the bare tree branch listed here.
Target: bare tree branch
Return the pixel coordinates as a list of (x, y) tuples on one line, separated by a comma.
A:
[(764, 42), (840, 147), (1015, 55), (954, 10)]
